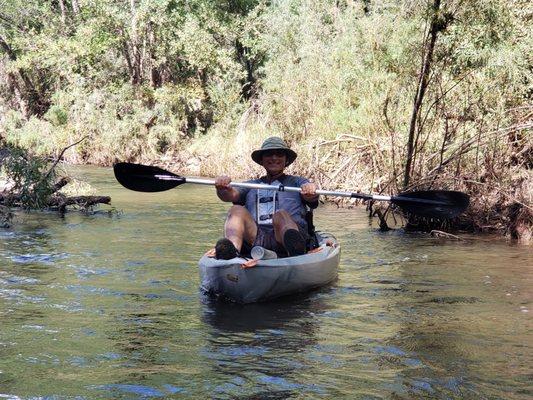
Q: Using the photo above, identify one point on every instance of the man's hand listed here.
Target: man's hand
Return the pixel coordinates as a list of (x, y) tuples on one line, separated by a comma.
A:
[(309, 192), (224, 191), (222, 183)]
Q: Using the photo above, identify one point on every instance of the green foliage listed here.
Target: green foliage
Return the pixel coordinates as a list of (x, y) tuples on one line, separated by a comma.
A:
[(340, 72), (31, 180), (329, 74), (37, 135), (144, 79), (56, 115)]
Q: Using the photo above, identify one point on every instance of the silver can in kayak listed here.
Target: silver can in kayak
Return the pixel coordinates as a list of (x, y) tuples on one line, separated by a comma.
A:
[(271, 278)]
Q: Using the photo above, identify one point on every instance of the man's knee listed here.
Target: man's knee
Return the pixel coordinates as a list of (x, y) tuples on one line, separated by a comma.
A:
[(238, 211)]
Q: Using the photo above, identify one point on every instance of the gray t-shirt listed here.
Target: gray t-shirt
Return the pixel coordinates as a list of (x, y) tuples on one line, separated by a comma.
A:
[(262, 204)]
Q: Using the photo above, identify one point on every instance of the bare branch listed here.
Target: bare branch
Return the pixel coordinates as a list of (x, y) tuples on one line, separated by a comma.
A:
[(47, 175)]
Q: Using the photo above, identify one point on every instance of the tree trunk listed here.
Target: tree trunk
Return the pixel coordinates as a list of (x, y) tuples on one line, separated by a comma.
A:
[(75, 7), (63, 11), (155, 76), (423, 82), (248, 90), (136, 59), (126, 52), (19, 96), (30, 101)]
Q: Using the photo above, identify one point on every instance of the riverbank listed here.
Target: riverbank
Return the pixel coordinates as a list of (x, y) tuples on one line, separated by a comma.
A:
[(370, 99), (498, 206), (500, 199)]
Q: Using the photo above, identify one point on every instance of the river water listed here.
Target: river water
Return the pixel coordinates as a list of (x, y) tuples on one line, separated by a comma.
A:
[(107, 306)]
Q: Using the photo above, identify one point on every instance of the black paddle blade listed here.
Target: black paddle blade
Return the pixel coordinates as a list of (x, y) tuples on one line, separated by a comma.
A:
[(145, 178), (433, 203)]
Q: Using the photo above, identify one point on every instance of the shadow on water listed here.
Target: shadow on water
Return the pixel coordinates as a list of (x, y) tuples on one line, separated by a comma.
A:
[(260, 347), (234, 317)]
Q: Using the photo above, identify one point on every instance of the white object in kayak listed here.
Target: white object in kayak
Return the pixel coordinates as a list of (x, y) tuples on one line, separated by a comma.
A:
[(260, 253)]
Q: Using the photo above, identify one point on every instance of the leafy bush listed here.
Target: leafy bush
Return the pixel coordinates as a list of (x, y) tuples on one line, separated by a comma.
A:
[(30, 178)]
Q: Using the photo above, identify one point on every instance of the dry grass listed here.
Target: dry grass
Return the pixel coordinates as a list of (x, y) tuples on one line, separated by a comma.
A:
[(493, 167)]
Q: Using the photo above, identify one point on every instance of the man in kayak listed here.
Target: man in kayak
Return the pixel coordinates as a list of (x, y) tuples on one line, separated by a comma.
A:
[(274, 220)]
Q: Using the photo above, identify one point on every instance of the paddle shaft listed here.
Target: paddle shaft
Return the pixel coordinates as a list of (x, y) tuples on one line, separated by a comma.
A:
[(282, 188)]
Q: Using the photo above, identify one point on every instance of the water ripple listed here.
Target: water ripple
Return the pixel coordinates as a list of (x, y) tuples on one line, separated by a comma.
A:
[(47, 259), (100, 308)]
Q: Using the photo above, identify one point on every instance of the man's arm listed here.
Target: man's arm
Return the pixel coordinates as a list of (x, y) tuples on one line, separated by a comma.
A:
[(226, 192)]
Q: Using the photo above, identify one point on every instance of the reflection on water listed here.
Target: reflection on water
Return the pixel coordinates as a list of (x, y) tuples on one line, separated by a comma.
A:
[(107, 306), (261, 345)]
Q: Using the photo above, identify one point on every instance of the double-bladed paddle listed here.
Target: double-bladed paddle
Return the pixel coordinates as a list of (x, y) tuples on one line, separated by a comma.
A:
[(427, 203)]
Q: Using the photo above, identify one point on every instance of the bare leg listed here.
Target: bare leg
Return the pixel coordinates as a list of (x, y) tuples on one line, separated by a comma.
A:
[(282, 221), (287, 233), (240, 226)]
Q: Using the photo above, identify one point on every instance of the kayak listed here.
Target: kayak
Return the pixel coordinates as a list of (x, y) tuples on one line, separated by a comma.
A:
[(244, 281)]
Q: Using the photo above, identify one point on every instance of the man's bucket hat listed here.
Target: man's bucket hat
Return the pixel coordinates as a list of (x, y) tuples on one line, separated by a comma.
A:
[(274, 143)]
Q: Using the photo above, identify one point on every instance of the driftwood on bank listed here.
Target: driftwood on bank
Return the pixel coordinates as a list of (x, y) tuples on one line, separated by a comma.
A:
[(11, 197), (442, 234), (56, 201), (61, 202)]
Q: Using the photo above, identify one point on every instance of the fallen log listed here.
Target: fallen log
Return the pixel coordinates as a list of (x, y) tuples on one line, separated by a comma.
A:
[(56, 201), (9, 198), (34, 189), (61, 202), (84, 201)]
